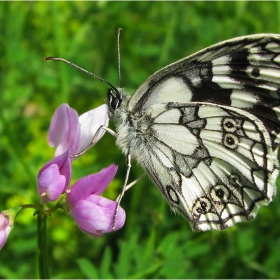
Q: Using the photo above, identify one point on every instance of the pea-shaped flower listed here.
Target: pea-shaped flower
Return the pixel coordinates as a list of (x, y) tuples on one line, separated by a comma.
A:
[(92, 213), (7, 219), (69, 132), (5, 229), (54, 178)]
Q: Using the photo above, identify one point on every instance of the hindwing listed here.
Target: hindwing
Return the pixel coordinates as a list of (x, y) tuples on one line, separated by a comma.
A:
[(215, 165)]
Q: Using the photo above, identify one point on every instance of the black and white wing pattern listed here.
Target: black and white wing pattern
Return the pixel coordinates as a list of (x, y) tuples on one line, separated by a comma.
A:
[(213, 164), (242, 73), (206, 129)]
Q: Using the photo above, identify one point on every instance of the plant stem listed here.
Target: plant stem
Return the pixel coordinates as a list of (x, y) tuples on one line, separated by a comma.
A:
[(42, 246)]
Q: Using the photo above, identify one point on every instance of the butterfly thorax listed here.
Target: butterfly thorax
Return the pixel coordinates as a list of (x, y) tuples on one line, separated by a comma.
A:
[(131, 130)]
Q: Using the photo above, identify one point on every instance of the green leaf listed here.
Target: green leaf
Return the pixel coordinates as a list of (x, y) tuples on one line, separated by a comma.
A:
[(87, 268)]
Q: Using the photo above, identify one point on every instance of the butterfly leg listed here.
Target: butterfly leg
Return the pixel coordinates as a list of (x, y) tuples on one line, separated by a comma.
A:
[(134, 182), (125, 188), (118, 200), (113, 133)]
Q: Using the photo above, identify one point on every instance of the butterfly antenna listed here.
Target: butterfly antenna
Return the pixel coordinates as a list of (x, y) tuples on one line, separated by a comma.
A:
[(119, 57), (82, 69)]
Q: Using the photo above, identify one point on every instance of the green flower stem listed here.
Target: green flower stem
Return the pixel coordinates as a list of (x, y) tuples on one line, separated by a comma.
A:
[(42, 215), (25, 206), (42, 246)]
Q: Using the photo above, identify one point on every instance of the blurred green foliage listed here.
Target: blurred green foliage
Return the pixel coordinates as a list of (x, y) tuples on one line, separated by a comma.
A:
[(154, 243)]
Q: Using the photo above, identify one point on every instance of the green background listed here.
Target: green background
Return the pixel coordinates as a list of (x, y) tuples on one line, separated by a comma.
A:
[(154, 243)]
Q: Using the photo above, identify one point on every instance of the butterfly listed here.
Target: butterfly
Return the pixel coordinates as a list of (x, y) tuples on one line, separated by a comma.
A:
[(207, 129)]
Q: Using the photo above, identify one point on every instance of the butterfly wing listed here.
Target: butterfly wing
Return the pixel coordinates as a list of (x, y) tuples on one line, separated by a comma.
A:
[(206, 128), (243, 73), (215, 165)]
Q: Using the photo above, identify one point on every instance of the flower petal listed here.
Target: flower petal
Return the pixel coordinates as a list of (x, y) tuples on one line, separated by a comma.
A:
[(51, 184), (54, 177), (64, 131), (90, 123), (92, 184), (5, 230), (95, 215)]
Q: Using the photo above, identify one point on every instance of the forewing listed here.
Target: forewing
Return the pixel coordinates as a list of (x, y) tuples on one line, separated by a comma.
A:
[(214, 164), (243, 73)]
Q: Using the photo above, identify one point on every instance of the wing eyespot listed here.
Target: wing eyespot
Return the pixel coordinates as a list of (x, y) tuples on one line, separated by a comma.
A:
[(230, 141), (201, 206)]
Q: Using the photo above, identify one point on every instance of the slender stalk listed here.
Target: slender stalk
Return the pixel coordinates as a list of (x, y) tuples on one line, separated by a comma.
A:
[(278, 16), (42, 246), (25, 206)]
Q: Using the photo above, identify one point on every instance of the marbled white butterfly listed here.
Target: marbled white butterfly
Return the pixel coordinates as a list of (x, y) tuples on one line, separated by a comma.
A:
[(206, 129)]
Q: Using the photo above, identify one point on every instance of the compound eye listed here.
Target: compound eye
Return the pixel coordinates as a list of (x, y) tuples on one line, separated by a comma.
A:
[(114, 99), (115, 103)]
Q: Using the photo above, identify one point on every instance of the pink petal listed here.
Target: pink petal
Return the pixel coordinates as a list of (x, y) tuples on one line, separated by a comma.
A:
[(92, 184), (64, 131), (55, 176), (95, 216), (51, 184), (4, 230)]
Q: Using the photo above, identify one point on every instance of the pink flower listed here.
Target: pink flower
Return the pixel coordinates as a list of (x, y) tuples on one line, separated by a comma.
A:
[(5, 229), (54, 178), (7, 220), (95, 214), (69, 132)]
